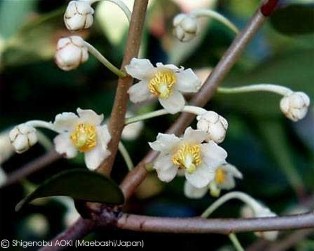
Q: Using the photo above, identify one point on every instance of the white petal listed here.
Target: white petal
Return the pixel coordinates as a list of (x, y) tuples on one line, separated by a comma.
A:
[(187, 81), (167, 66), (140, 68), (64, 146), (233, 170), (166, 171), (194, 136), (65, 122), (139, 92), (213, 155), (103, 136), (89, 116), (94, 157), (165, 142), (174, 103), (193, 192), (201, 176)]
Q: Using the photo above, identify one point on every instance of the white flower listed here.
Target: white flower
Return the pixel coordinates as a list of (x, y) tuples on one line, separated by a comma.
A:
[(22, 137), (71, 52), (166, 82), (295, 105), (223, 179), (198, 160), (83, 133), (78, 15), (259, 210), (214, 124), (185, 27)]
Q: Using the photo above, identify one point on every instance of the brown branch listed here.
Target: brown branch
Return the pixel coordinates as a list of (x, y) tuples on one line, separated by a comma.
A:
[(77, 231), (117, 118), (136, 176), (32, 167), (223, 226)]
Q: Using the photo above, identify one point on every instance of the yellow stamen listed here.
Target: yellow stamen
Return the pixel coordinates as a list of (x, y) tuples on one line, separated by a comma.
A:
[(188, 157), (84, 137), (220, 175), (162, 83)]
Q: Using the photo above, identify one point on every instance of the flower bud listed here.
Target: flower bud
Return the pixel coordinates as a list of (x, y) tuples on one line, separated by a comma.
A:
[(22, 137), (71, 52), (213, 124), (78, 15), (185, 27), (295, 105)]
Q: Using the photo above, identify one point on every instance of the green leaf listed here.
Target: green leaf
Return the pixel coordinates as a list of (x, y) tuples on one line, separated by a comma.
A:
[(79, 184), (294, 19)]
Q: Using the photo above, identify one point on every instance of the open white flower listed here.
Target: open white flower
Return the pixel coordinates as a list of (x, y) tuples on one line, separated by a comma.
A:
[(166, 82), (83, 133), (214, 124), (71, 52), (198, 160), (295, 105), (223, 179), (78, 15)]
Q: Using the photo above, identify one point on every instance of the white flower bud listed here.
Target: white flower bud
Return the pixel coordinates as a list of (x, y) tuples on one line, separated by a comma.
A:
[(185, 27), (78, 15), (260, 211), (213, 124), (295, 105), (133, 130), (22, 137), (71, 52)]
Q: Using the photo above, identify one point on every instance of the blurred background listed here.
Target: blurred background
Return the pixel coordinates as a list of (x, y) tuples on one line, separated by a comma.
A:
[(275, 155)]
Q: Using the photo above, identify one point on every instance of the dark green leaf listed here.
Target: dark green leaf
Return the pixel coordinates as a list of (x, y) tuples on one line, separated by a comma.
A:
[(79, 184), (294, 19)]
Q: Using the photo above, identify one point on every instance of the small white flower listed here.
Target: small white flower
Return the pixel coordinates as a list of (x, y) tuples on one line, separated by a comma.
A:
[(23, 137), (295, 105), (83, 133), (214, 124), (260, 210), (223, 179), (185, 27), (78, 15), (166, 82), (71, 52), (188, 153)]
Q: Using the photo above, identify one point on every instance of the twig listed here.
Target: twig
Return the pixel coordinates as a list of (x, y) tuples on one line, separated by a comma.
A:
[(78, 230), (222, 226), (117, 118), (32, 167)]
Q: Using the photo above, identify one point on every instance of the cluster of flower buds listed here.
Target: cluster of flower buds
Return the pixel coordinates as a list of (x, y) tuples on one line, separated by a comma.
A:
[(295, 105)]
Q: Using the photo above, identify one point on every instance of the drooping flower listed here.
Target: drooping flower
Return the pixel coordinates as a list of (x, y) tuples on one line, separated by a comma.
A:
[(295, 105), (166, 82), (71, 52), (198, 160), (214, 124), (78, 15), (223, 179), (83, 133)]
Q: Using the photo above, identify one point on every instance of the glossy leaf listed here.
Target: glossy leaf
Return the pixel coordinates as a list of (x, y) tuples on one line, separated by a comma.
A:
[(79, 184), (294, 19)]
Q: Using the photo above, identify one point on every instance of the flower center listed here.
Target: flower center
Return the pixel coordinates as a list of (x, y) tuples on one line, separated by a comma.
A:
[(188, 157), (162, 83), (84, 137), (220, 176)]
